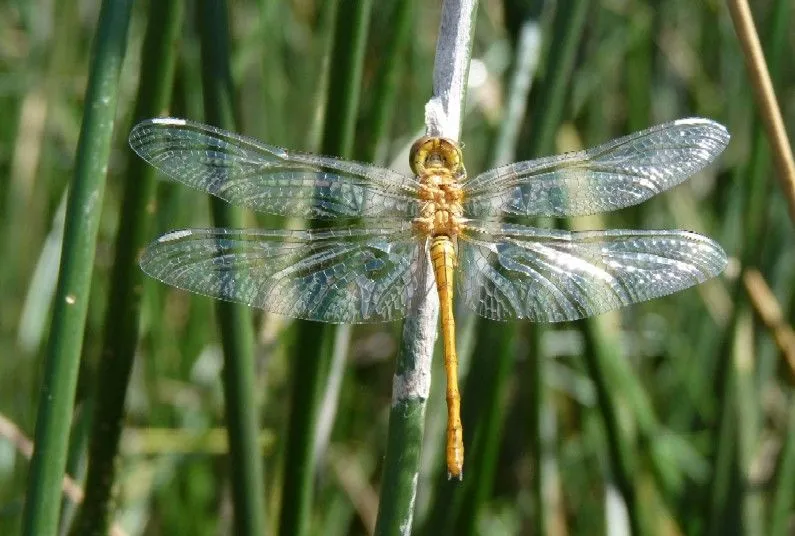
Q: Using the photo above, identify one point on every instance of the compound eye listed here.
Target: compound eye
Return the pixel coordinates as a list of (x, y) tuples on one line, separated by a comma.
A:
[(419, 154), (451, 154), (429, 151)]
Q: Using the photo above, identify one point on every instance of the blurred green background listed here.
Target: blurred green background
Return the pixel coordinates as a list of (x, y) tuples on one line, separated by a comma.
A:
[(675, 416)]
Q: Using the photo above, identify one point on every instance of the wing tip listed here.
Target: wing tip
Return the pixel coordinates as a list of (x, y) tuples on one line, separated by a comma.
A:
[(167, 121), (151, 251), (172, 121), (141, 126), (173, 235), (720, 131), (717, 260)]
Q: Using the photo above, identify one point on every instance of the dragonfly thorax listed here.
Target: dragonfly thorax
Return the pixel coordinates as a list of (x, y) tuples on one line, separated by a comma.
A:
[(439, 168), (370, 273)]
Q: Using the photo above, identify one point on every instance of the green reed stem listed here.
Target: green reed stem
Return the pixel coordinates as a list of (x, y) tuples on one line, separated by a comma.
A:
[(347, 63), (391, 69), (783, 503), (122, 318), (569, 26), (546, 114), (483, 417), (411, 384), (234, 320), (600, 349), (315, 341), (735, 435), (43, 498), (406, 425), (638, 68)]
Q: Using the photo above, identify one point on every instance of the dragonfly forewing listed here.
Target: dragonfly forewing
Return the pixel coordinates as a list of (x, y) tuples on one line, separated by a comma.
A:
[(336, 275), (512, 272), (380, 269), (620, 173), (269, 179)]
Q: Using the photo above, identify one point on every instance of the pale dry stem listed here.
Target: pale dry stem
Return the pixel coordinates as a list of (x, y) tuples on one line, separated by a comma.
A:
[(766, 99), (767, 307)]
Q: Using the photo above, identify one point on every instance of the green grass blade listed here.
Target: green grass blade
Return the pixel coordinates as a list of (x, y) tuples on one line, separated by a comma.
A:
[(783, 499), (315, 341), (546, 114), (309, 363), (783, 503), (547, 109), (347, 63), (234, 320), (638, 68), (600, 356), (122, 317), (391, 67), (43, 497), (523, 71), (600, 348), (748, 418), (457, 506), (274, 86), (737, 425)]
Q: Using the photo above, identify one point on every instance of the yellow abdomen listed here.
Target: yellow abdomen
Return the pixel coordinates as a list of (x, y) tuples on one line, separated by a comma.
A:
[(443, 259)]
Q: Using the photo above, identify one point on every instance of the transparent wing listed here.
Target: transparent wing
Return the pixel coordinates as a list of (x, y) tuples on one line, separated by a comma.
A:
[(265, 178), (511, 271), (620, 173), (340, 276)]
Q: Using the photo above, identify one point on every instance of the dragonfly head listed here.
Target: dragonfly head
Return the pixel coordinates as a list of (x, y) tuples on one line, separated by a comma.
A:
[(430, 152)]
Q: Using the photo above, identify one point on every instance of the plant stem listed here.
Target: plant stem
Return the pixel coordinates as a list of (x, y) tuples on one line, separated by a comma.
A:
[(411, 384), (64, 347), (602, 347), (783, 502), (121, 320), (385, 86), (766, 99), (734, 449), (234, 320), (315, 341), (495, 352)]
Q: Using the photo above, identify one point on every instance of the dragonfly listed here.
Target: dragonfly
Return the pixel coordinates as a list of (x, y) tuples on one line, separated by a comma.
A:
[(381, 230)]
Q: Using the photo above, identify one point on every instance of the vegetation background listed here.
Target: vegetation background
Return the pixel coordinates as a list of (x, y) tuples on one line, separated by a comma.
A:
[(671, 417)]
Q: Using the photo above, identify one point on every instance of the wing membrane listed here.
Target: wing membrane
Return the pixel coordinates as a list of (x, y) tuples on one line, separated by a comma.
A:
[(340, 275), (269, 179), (511, 271), (620, 173)]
